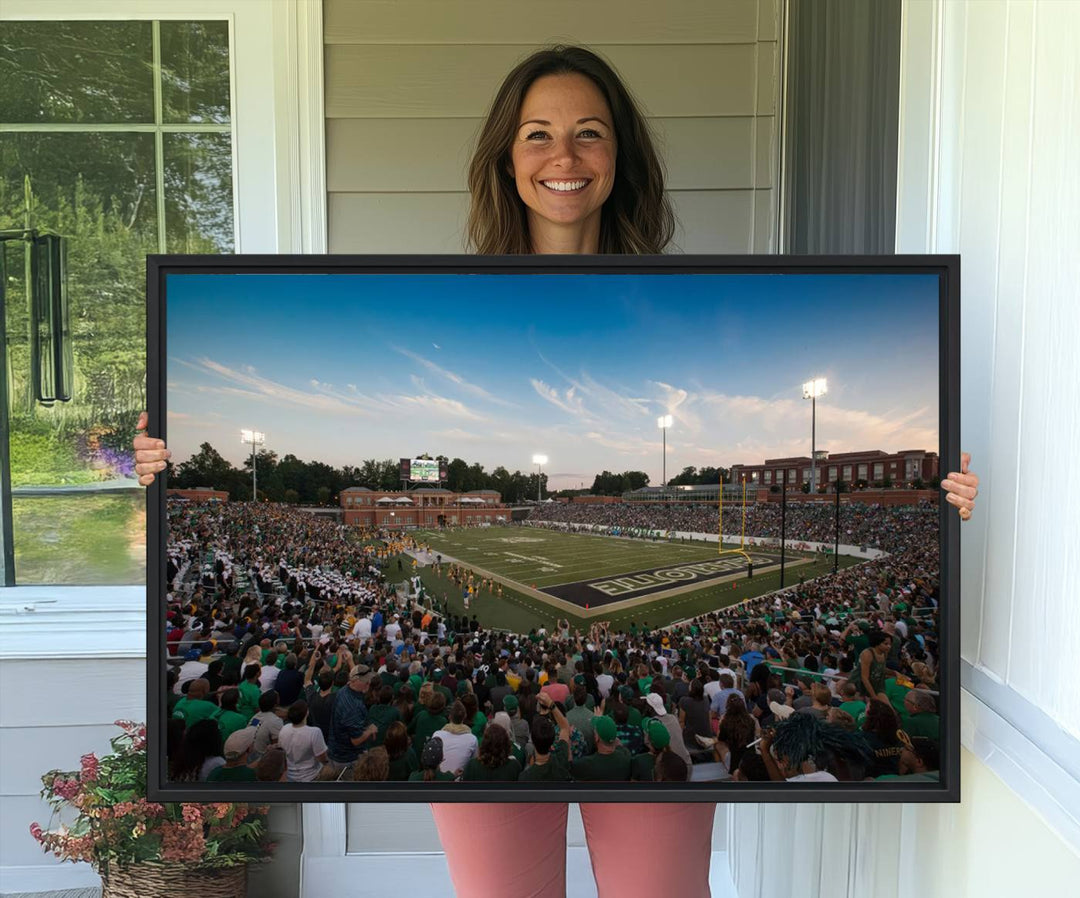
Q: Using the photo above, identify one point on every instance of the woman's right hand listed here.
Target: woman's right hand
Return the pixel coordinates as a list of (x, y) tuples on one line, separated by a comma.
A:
[(150, 453)]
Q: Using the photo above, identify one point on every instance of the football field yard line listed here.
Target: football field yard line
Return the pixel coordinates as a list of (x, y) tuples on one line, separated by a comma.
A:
[(592, 568), (604, 565), (658, 609), (603, 557), (656, 601)]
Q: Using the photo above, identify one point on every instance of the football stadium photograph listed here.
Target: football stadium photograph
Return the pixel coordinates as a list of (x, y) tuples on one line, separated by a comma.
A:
[(386, 582)]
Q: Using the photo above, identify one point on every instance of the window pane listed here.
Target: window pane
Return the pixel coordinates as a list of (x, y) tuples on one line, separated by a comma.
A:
[(195, 72), (76, 72), (97, 190), (112, 173), (81, 540), (198, 193), (79, 517)]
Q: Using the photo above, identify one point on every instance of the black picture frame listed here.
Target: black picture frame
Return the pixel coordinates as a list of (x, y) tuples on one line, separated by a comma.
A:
[(945, 267)]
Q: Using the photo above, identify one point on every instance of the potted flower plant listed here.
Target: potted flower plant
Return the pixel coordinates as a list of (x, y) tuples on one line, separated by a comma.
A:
[(142, 848)]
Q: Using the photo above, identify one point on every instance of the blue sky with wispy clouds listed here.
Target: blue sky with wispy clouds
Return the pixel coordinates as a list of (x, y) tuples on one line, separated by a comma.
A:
[(495, 367)]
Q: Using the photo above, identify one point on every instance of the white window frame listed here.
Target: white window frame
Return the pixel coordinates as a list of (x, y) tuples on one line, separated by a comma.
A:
[(279, 165)]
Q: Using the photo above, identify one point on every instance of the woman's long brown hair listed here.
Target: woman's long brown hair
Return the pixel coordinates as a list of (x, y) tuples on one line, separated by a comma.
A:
[(637, 216)]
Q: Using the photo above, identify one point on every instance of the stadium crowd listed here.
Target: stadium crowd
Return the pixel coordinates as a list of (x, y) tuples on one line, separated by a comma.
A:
[(292, 659), (889, 528)]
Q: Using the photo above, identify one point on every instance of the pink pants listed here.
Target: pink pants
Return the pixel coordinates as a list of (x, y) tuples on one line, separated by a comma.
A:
[(520, 849)]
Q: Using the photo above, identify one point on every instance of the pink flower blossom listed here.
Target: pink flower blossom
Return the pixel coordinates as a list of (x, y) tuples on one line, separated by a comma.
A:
[(65, 788), (150, 808), (181, 842), (89, 768)]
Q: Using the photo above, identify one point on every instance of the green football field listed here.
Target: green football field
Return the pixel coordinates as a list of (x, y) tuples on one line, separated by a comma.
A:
[(530, 561)]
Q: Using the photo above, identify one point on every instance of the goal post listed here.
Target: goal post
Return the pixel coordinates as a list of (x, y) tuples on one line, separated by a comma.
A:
[(720, 525)]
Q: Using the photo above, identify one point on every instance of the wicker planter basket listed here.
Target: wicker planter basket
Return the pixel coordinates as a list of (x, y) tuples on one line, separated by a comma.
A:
[(174, 881)]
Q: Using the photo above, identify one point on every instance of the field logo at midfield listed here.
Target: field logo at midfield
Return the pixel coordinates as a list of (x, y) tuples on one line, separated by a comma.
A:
[(635, 584), (518, 539), (648, 581)]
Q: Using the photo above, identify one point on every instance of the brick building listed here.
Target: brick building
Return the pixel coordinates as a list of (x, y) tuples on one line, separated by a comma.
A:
[(899, 469), (422, 507)]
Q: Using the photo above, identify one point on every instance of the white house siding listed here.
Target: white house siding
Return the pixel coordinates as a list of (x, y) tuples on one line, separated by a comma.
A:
[(408, 83)]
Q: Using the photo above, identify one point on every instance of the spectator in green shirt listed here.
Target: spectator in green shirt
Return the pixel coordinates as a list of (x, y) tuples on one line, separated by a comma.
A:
[(657, 739), (896, 687), (852, 701), (383, 713), (855, 635), (228, 718), (230, 661), (194, 706), (474, 717), (551, 759), (580, 716), (430, 761), (403, 760), (610, 763), (918, 763), (250, 691), (919, 716), (494, 760), (429, 719)]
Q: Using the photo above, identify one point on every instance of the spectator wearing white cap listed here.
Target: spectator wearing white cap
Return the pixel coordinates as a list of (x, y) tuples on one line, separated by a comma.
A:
[(237, 752), (393, 629), (655, 702)]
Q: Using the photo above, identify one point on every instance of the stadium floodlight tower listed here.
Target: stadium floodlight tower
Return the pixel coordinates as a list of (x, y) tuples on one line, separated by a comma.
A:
[(539, 461), (811, 390), (256, 439), (664, 422)]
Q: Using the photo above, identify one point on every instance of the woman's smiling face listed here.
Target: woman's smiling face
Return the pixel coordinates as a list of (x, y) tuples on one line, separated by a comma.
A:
[(563, 155)]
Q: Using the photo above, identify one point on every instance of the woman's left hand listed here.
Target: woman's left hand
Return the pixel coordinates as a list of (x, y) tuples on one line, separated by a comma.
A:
[(962, 488)]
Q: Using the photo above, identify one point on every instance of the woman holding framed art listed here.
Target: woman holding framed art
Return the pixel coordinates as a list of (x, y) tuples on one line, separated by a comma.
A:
[(565, 164)]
